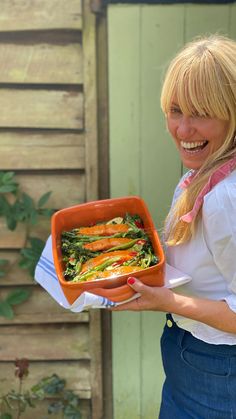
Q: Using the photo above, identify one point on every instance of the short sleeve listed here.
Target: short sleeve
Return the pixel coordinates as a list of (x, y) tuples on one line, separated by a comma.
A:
[(219, 223)]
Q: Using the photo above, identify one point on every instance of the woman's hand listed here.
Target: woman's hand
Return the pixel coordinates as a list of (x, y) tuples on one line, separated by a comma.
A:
[(214, 313), (151, 298)]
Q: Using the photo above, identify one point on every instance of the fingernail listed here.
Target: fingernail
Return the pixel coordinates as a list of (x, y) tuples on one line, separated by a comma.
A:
[(131, 280)]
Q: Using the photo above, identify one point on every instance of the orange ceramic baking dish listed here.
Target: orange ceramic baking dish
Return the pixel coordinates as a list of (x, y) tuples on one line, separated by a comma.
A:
[(90, 213)]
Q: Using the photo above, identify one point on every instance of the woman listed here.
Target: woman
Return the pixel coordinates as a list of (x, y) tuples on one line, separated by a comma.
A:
[(199, 346)]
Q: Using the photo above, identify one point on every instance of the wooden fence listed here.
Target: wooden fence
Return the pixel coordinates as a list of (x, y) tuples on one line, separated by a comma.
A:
[(48, 137)]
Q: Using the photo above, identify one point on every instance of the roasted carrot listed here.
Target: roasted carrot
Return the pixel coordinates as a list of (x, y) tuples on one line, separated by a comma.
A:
[(104, 229), (105, 244), (121, 270), (93, 262)]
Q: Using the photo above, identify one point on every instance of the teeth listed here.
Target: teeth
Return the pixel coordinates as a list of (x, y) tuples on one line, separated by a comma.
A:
[(192, 145)]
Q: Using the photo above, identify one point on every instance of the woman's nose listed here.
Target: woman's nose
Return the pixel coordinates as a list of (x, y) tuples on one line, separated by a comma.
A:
[(185, 128)]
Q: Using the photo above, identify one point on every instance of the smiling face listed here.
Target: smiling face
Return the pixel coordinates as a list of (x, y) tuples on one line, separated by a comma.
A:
[(196, 137)]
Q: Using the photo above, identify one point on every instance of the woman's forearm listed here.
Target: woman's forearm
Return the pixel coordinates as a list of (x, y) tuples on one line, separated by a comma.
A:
[(216, 314)]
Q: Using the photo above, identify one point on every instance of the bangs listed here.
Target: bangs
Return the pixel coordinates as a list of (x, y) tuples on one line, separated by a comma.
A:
[(197, 86)]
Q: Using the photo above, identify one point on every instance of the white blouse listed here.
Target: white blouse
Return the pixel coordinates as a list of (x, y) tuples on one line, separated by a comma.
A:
[(210, 259)]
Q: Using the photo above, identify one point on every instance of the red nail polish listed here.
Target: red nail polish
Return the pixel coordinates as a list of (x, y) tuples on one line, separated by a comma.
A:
[(131, 281)]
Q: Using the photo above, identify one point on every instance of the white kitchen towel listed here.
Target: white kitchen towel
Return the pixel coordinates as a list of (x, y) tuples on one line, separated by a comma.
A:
[(46, 276)]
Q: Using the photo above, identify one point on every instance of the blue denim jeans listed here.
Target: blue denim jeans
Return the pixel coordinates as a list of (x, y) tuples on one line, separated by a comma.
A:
[(200, 377)]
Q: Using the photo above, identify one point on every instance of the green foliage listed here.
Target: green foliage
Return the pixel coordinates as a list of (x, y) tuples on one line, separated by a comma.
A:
[(15, 297), (18, 207), (6, 416), (7, 182), (23, 209), (3, 264), (30, 255), (65, 403), (68, 402)]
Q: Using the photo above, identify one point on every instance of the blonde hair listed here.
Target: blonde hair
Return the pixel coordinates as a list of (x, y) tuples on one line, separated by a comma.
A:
[(202, 78)]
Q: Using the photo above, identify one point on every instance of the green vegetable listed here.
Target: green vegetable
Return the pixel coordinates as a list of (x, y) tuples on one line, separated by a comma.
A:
[(75, 255), (100, 267)]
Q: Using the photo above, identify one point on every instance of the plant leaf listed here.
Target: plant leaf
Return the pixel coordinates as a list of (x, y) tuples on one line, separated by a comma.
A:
[(37, 244), (3, 262), (43, 199), (31, 255), (33, 217), (47, 212), (7, 177), (17, 296), (27, 200), (6, 416), (6, 310), (11, 223), (11, 187)]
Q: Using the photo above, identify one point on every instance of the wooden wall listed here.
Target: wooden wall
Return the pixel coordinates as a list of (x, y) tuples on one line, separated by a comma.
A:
[(143, 161), (48, 136)]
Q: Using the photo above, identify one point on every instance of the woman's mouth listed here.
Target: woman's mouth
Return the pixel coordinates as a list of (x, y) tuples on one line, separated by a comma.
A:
[(194, 146)]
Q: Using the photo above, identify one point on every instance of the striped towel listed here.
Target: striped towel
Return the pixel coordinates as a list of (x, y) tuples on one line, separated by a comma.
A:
[(46, 276)]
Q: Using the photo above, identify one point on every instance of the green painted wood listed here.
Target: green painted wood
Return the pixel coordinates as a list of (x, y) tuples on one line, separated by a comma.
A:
[(232, 20), (124, 92), (151, 374), (124, 112), (206, 19), (126, 366), (158, 44), (143, 160)]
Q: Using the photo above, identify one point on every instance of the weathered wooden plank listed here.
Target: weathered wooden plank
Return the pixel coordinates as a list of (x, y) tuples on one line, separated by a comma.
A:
[(67, 188), (27, 63), (21, 151), (29, 138), (43, 14), (41, 108), (103, 114), (96, 363), (16, 239), (40, 411), (76, 374), (41, 308), (14, 275), (38, 343), (90, 102)]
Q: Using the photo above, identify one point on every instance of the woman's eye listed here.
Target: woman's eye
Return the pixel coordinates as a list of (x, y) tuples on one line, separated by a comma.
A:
[(175, 110)]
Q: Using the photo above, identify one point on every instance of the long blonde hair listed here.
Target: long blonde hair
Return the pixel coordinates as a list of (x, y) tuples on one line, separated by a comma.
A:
[(202, 77)]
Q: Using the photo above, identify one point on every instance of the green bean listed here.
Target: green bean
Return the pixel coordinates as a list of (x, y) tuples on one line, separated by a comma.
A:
[(123, 246), (101, 267)]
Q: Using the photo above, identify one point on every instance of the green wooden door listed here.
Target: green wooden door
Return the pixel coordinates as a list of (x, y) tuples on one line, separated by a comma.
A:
[(141, 41)]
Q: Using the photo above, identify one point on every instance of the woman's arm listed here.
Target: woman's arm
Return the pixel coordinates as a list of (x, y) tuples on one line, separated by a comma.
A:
[(216, 314)]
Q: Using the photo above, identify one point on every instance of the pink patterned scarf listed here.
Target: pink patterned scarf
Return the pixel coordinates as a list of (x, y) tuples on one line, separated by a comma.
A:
[(219, 174)]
